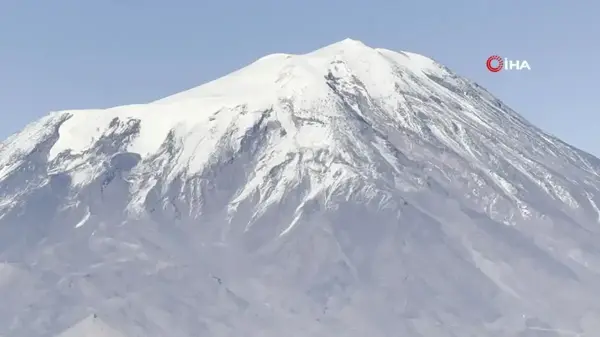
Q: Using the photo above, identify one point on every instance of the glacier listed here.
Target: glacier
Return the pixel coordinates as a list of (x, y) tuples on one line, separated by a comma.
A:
[(348, 191)]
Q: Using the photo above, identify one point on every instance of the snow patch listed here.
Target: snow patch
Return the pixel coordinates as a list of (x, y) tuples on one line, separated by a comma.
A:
[(85, 218)]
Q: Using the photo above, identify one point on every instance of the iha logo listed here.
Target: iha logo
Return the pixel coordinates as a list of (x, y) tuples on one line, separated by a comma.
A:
[(495, 63)]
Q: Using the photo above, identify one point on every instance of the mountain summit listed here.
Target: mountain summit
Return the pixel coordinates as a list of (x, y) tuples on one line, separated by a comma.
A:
[(348, 191)]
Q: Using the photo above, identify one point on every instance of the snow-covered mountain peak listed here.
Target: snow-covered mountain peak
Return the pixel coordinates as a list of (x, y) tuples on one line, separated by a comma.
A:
[(346, 106), (347, 191), (92, 326), (278, 72), (269, 83), (294, 87)]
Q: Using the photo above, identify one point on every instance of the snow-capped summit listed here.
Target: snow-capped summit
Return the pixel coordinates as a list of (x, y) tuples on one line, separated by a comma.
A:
[(350, 190)]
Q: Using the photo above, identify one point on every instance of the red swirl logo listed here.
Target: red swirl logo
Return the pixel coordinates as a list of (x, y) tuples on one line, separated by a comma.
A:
[(496, 68)]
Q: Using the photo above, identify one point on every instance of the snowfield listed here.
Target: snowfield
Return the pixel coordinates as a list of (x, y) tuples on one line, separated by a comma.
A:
[(349, 191)]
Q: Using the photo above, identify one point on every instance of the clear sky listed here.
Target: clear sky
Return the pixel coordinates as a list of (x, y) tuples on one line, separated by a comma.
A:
[(65, 54)]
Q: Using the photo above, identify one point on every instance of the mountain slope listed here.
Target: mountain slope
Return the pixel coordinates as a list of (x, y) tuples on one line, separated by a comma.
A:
[(351, 190)]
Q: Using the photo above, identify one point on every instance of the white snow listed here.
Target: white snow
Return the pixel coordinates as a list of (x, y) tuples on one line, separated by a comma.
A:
[(24, 142), (590, 198), (257, 86), (85, 218)]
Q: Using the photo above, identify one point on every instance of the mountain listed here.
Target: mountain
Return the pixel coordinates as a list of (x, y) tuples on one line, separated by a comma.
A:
[(349, 191), (91, 327)]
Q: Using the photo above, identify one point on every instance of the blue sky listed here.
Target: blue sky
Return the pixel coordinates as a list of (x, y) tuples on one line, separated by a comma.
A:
[(66, 54)]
